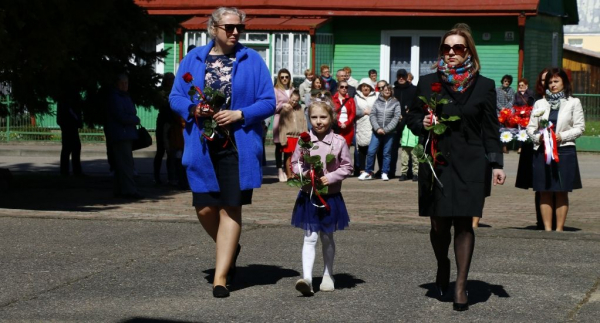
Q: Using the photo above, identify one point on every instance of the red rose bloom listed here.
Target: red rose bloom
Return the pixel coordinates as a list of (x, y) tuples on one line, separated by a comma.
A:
[(305, 136), (436, 87), (187, 77)]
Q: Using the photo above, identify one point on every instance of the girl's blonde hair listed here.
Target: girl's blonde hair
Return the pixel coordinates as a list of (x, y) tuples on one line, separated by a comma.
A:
[(325, 106)]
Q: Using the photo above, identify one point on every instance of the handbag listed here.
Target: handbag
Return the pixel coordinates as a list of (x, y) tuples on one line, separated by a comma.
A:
[(144, 139)]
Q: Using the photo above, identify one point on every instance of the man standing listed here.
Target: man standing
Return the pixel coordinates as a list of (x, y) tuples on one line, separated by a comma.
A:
[(121, 132), (68, 117), (405, 93), (342, 76)]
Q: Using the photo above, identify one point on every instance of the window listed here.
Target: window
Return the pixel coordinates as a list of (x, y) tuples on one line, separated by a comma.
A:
[(577, 42), (291, 51), (415, 51), (257, 41)]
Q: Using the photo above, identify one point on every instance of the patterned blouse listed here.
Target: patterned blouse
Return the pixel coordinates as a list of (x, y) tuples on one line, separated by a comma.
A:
[(218, 74)]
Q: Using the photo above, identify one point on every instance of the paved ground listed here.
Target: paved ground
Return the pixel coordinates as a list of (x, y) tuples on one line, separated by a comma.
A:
[(71, 252)]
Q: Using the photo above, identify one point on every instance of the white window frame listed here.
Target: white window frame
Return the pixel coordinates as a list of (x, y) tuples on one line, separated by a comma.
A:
[(384, 56), (292, 36)]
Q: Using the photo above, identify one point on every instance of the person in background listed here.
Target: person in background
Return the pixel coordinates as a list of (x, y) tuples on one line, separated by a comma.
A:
[(505, 96), (121, 132), (373, 77), (345, 112), (329, 83), (351, 81), (306, 86), (163, 120), (292, 122), (315, 88), (224, 172), (283, 91), (384, 118), (410, 77), (364, 99), (523, 97), (404, 92), (69, 118), (555, 178), (469, 146), (342, 76)]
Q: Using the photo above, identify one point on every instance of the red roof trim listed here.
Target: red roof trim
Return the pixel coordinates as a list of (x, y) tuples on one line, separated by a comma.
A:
[(292, 24), (348, 7)]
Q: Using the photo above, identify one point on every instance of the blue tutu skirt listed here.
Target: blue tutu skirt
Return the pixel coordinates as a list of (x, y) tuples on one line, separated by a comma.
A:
[(314, 219)]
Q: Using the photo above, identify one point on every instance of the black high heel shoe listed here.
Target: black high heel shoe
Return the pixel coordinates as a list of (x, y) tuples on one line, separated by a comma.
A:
[(442, 278), (233, 270), (461, 306)]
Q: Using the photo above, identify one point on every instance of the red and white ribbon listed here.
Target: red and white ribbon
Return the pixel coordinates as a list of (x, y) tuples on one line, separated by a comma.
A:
[(550, 145)]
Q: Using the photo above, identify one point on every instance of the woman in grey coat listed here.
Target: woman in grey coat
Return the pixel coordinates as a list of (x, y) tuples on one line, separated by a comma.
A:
[(384, 117)]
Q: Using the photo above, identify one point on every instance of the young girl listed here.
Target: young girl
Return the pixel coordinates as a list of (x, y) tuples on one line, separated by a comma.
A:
[(309, 212), (292, 123)]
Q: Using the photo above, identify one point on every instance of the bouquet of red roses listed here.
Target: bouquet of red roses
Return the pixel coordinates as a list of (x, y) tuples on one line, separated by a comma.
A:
[(312, 177), (210, 101)]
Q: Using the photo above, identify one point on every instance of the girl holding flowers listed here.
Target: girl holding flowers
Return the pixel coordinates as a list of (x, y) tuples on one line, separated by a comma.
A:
[(557, 120), (320, 162)]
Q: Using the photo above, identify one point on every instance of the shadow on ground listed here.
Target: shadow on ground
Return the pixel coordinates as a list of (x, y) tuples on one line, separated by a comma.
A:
[(479, 291)]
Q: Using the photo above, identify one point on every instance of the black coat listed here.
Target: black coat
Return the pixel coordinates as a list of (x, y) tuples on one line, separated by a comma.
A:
[(470, 147), (405, 94)]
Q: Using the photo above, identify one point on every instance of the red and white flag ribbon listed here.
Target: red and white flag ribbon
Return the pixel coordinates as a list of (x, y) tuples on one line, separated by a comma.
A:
[(550, 145)]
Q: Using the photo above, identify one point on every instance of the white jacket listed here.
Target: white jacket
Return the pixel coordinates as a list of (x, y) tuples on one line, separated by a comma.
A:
[(364, 130), (570, 123)]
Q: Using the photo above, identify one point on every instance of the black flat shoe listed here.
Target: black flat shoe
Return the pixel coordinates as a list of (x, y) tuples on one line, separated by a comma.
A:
[(220, 291), (460, 306), (442, 278), (233, 270)]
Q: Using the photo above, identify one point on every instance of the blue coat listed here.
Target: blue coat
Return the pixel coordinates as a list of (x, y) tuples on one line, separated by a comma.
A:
[(251, 91)]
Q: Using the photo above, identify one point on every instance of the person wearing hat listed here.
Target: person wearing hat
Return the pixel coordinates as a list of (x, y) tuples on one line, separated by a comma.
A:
[(364, 99), (404, 92)]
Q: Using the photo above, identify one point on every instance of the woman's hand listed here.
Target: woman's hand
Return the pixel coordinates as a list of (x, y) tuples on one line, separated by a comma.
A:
[(367, 112), (286, 107), (203, 114), (380, 131), (427, 121), (558, 138), (324, 180), (225, 117), (498, 177)]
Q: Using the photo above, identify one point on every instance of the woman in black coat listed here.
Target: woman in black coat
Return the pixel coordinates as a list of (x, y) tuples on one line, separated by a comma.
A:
[(469, 148)]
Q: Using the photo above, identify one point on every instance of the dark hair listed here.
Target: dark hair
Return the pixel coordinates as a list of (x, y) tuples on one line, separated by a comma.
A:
[(372, 72), (524, 80), (539, 88), (507, 77), (559, 72)]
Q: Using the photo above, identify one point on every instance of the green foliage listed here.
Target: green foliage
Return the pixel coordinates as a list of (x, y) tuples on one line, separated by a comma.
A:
[(439, 128), (329, 158), (450, 118), (54, 47)]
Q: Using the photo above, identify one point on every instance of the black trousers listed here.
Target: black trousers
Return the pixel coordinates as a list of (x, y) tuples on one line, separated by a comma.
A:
[(71, 150)]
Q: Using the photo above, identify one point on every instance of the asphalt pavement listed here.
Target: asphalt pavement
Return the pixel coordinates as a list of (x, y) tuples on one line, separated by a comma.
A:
[(70, 252)]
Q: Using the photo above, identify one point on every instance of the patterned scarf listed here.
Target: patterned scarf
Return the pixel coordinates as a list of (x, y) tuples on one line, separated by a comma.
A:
[(554, 99), (460, 77)]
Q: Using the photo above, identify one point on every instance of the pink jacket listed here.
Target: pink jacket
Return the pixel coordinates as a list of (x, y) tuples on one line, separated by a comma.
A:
[(335, 171), (281, 97)]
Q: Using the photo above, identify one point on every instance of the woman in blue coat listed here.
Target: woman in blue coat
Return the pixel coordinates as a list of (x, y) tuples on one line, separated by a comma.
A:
[(220, 186)]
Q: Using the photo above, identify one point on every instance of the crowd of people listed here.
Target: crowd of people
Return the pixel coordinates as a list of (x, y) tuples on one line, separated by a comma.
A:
[(314, 127)]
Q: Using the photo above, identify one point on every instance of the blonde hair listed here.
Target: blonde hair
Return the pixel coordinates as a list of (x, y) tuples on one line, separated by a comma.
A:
[(216, 16), (325, 106)]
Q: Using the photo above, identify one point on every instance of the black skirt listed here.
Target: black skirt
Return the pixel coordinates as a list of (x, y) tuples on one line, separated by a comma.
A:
[(557, 177), (226, 164), (524, 178)]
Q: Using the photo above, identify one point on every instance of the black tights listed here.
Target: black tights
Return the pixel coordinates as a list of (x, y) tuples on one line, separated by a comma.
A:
[(464, 243)]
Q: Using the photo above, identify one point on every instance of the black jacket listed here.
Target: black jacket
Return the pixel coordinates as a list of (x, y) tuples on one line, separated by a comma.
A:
[(469, 148), (405, 94)]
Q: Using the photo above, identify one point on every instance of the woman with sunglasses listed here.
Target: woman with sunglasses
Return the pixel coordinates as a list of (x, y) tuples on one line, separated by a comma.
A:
[(345, 112), (223, 170), (283, 91), (467, 150)]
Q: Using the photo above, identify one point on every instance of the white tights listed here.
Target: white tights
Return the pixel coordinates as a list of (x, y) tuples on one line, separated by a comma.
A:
[(308, 253)]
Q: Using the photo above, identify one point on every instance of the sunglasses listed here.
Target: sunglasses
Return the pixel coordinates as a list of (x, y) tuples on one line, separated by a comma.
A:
[(284, 77), (458, 49), (381, 87), (343, 86), (229, 28)]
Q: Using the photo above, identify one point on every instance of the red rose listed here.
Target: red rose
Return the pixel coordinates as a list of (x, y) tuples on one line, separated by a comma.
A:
[(436, 87), (187, 77), (305, 136), (524, 122)]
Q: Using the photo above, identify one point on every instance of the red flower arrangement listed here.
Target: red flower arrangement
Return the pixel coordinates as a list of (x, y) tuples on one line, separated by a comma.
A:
[(518, 118)]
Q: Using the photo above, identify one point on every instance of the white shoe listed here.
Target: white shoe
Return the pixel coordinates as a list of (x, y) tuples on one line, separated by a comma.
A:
[(305, 287), (327, 284), (384, 177), (365, 176), (282, 176)]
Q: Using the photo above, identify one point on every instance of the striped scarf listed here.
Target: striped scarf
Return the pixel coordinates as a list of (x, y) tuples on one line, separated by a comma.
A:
[(554, 99), (460, 77)]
